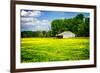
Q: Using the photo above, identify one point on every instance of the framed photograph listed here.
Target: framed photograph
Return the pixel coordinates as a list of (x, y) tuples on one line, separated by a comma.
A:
[(51, 36)]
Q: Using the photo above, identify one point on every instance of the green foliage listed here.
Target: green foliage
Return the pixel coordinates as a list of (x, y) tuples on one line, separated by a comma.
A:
[(80, 16), (36, 34), (26, 34), (53, 49), (58, 26), (78, 25)]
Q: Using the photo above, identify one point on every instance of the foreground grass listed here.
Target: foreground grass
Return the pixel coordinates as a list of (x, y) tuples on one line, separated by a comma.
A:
[(53, 49)]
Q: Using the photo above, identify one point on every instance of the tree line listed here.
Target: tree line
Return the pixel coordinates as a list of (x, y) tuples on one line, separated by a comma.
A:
[(78, 25), (36, 34)]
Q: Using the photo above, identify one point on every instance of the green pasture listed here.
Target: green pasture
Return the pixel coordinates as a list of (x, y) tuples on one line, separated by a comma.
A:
[(54, 49)]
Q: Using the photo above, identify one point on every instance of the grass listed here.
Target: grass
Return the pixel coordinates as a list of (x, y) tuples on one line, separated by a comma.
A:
[(53, 49)]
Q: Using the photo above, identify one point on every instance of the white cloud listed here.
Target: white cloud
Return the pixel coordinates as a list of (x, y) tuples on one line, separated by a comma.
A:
[(30, 13), (35, 13), (23, 13), (29, 21), (43, 22), (34, 23), (43, 25)]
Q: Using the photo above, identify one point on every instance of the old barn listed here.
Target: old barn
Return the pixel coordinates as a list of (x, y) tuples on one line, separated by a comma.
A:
[(66, 34)]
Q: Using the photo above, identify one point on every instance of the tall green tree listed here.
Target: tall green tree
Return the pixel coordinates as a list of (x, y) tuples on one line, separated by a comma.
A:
[(58, 26), (80, 16)]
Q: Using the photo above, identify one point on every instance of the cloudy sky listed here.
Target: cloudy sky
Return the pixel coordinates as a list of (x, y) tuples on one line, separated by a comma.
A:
[(32, 20)]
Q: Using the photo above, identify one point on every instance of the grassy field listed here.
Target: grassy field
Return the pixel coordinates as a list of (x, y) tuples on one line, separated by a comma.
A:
[(53, 49)]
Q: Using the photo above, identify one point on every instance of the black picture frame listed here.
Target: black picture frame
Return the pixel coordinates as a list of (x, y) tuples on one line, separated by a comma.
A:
[(13, 35)]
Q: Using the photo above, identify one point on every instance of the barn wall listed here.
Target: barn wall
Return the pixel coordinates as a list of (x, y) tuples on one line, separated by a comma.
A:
[(68, 36)]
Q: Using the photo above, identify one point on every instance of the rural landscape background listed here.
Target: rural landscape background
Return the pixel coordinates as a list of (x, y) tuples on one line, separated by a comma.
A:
[(40, 41)]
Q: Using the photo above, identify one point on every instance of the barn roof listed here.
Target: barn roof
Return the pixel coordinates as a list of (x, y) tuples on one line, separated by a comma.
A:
[(65, 32)]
